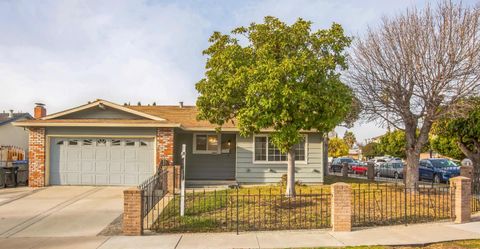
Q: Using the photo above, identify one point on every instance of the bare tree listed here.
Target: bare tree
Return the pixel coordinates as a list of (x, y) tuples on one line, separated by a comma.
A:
[(414, 68)]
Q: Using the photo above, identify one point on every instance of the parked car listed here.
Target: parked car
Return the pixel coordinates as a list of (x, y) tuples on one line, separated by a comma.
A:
[(359, 167), (391, 169), (337, 163), (438, 170)]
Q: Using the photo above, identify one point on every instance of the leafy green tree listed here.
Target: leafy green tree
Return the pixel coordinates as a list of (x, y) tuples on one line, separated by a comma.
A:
[(393, 143), (337, 147), (371, 149), (464, 131), (349, 138), (446, 146), (280, 77)]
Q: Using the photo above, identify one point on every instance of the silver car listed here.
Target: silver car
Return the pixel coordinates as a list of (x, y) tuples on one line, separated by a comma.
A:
[(391, 169)]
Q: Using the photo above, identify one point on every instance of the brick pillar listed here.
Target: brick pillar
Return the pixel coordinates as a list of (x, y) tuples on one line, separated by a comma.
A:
[(36, 157), (173, 178), (370, 171), (164, 146), (132, 212), (462, 209), (466, 171), (341, 215)]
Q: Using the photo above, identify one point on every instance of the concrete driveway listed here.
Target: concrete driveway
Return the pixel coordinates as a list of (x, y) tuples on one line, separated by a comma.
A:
[(61, 211)]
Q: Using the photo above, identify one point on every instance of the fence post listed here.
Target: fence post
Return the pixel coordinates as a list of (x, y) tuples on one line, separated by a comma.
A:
[(345, 169), (341, 214), (173, 178), (370, 171), (466, 169), (462, 208), (132, 212)]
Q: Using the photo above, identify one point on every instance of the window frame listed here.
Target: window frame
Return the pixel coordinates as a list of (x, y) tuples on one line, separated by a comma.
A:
[(210, 152), (277, 162)]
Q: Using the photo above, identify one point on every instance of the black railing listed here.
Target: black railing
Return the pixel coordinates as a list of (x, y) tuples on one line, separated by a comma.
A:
[(154, 189), (394, 204), (243, 210)]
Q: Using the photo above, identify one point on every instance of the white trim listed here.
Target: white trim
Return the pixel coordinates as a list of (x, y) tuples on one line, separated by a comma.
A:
[(277, 162), (97, 124), (106, 103), (210, 152)]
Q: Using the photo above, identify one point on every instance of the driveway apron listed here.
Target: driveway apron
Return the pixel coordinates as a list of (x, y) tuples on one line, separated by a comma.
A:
[(61, 211)]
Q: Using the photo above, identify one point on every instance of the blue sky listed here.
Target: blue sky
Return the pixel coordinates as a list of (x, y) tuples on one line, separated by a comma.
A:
[(65, 53)]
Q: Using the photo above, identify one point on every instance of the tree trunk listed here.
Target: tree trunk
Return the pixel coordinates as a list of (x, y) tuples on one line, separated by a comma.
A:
[(411, 174), (290, 191)]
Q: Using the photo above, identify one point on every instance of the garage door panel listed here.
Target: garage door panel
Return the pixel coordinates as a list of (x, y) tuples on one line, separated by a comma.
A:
[(72, 178), (101, 161), (131, 179), (88, 166), (130, 155), (131, 167), (101, 179), (116, 179), (88, 179)]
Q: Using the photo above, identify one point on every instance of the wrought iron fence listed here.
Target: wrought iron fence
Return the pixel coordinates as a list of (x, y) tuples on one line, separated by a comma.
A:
[(395, 204), (243, 210), (476, 190), (154, 189)]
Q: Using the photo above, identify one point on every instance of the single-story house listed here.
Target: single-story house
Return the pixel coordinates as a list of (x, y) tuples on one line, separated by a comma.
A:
[(11, 135), (103, 143)]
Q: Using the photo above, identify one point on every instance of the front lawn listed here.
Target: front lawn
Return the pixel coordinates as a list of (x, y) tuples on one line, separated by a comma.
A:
[(266, 207), (461, 244)]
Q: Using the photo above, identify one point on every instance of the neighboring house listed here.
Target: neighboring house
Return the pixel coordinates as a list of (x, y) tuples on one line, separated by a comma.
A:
[(102, 143), (11, 135)]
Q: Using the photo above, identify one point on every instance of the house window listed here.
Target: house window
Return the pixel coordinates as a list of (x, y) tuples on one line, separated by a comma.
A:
[(116, 142), (206, 143), (265, 151), (129, 143)]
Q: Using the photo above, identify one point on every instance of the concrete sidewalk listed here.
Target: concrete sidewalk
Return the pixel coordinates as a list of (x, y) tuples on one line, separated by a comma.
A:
[(392, 235)]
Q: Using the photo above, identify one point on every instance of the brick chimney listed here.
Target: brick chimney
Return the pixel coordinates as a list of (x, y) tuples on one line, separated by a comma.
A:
[(39, 111)]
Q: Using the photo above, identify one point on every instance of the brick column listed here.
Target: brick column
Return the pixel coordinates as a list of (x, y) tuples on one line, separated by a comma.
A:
[(466, 171), (173, 178), (462, 209), (36, 157), (164, 145), (341, 215), (132, 212)]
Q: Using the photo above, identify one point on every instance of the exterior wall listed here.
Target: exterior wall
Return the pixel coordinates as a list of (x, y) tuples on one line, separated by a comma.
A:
[(206, 166), (165, 150), (249, 172), (14, 136), (95, 112), (36, 164)]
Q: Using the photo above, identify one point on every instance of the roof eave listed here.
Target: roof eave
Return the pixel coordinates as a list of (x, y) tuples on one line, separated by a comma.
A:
[(98, 124)]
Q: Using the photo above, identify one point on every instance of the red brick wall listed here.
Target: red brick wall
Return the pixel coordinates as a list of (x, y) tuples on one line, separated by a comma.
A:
[(164, 145), (36, 157)]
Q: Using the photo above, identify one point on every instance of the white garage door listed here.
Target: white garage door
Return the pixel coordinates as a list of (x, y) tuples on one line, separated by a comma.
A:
[(101, 161)]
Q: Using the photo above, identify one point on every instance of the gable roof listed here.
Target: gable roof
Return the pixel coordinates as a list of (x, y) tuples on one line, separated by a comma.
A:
[(5, 117), (184, 117), (100, 103)]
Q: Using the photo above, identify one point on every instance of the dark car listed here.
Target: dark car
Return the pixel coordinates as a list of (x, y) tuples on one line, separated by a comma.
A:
[(438, 170), (337, 163)]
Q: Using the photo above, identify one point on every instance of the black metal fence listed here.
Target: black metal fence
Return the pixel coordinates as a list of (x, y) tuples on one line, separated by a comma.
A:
[(389, 204), (243, 210), (476, 190), (154, 189)]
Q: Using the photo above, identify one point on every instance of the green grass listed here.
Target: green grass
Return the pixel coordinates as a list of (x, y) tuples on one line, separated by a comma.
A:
[(461, 244), (266, 207)]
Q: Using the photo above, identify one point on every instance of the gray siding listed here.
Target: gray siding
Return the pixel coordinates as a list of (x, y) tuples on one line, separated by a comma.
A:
[(249, 172), (206, 166), (96, 112)]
